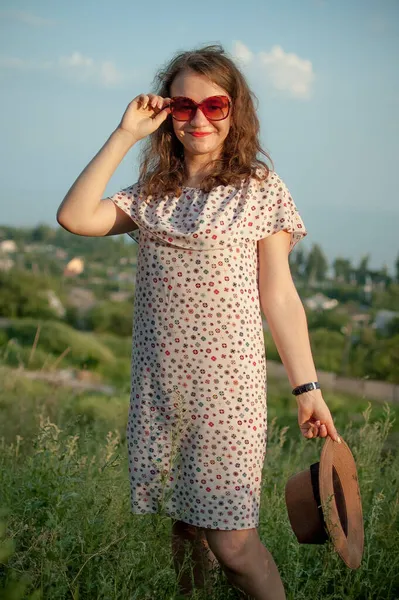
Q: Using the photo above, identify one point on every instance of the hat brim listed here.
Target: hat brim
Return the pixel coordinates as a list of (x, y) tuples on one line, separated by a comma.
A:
[(339, 456)]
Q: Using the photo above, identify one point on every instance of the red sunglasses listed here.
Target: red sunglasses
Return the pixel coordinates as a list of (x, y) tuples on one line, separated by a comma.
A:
[(215, 108)]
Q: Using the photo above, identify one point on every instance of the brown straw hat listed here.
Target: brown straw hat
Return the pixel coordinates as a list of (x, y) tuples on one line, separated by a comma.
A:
[(324, 501)]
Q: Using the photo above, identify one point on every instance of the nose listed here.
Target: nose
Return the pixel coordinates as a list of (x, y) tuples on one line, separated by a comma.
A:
[(199, 119)]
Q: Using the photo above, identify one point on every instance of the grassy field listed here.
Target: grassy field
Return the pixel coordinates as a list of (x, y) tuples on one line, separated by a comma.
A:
[(66, 531)]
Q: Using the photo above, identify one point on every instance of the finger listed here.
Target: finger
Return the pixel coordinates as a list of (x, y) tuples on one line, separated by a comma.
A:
[(331, 430), (307, 433), (323, 431), (145, 101), (140, 99), (310, 431), (161, 116), (153, 100)]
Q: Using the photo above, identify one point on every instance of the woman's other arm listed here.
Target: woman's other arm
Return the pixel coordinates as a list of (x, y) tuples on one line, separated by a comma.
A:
[(284, 310), (286, 318)]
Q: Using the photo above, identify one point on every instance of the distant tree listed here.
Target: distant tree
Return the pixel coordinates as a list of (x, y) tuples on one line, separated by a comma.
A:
[(43, 233), (383, 360), (331, 320), (327, 347), (342, 269), (386, 299), (397, 269), (393, 328), (316, 265), (362, 270), (297, 262), (381, 276)]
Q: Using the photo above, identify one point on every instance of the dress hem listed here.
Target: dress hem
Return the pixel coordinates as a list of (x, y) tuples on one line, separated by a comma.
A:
[(174, 518)]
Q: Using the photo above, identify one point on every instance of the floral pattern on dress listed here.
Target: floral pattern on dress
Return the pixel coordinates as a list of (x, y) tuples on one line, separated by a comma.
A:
[(197, 422)]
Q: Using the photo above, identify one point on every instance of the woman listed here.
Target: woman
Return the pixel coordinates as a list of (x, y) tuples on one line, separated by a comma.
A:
[(215, 227)]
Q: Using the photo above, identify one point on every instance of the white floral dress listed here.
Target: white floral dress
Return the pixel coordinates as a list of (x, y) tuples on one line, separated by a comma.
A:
[(197, 423)]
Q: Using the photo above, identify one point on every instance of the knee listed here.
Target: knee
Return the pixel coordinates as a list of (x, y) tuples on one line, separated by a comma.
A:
[(231, 548)]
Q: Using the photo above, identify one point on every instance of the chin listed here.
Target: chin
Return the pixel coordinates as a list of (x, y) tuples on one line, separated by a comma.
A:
[(201, 148)]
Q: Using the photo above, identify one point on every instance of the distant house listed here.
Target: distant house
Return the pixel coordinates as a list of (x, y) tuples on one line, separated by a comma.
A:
[(383, 318), (8, 246), (320, 302), (361, 319), (74, 267)]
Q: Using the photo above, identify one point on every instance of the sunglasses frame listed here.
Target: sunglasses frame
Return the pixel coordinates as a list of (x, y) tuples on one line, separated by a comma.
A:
[(198, 105)]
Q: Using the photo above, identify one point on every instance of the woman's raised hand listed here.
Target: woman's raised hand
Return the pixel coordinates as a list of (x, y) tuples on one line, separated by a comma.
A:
[(144, 115)]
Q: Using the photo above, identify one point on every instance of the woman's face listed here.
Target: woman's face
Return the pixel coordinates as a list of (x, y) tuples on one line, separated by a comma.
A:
[(198, 87)]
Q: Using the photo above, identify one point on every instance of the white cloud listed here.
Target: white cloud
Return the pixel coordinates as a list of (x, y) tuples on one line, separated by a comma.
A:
[(76, 60), (288, 72), (285, 71), (109, 74), (24, 16), (242, 53), (86, 69), (75, 67)]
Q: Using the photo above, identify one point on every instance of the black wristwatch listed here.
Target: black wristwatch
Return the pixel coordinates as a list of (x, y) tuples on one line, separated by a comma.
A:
[(306, 387)]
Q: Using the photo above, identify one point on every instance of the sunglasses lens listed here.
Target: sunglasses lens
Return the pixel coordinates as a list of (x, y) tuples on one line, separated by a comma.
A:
[(216, 108), (182, 109)]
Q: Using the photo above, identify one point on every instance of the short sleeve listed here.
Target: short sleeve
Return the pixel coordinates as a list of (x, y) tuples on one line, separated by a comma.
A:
[(280, 212), (128, 199)]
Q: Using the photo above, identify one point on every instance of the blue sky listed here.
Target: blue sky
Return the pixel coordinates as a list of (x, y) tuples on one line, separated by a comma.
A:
[(325, 74)]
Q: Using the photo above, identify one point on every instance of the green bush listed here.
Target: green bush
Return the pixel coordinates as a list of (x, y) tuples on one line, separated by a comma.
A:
[(332, 320), (112, 317), (21, 295), (85, 350), (327, 349), (120, 346), (15, 355)]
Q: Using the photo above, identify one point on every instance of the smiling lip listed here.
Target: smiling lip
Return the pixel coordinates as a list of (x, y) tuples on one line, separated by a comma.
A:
[(200, 134)]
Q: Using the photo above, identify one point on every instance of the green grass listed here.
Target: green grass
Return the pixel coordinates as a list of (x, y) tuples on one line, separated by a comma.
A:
[(67, 532)]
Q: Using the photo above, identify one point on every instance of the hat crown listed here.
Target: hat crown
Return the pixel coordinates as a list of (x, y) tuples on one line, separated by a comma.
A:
[(324, 502)]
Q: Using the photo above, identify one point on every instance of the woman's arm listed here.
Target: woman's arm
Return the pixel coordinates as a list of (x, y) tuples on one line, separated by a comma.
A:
[(287, 321), (82, 211), (284, 310)]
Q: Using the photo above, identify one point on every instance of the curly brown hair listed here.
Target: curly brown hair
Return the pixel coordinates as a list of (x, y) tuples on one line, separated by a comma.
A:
[(162, 169)]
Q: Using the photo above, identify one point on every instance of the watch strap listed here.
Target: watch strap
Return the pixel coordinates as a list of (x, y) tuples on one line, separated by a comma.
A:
[(306, 387)]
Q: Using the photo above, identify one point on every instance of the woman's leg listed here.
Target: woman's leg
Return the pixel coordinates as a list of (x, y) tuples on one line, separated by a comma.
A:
[(185, 536), (247, 563)]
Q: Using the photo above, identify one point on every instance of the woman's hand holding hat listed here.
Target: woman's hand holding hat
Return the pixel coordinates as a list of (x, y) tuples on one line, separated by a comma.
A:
[(314, 417)]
